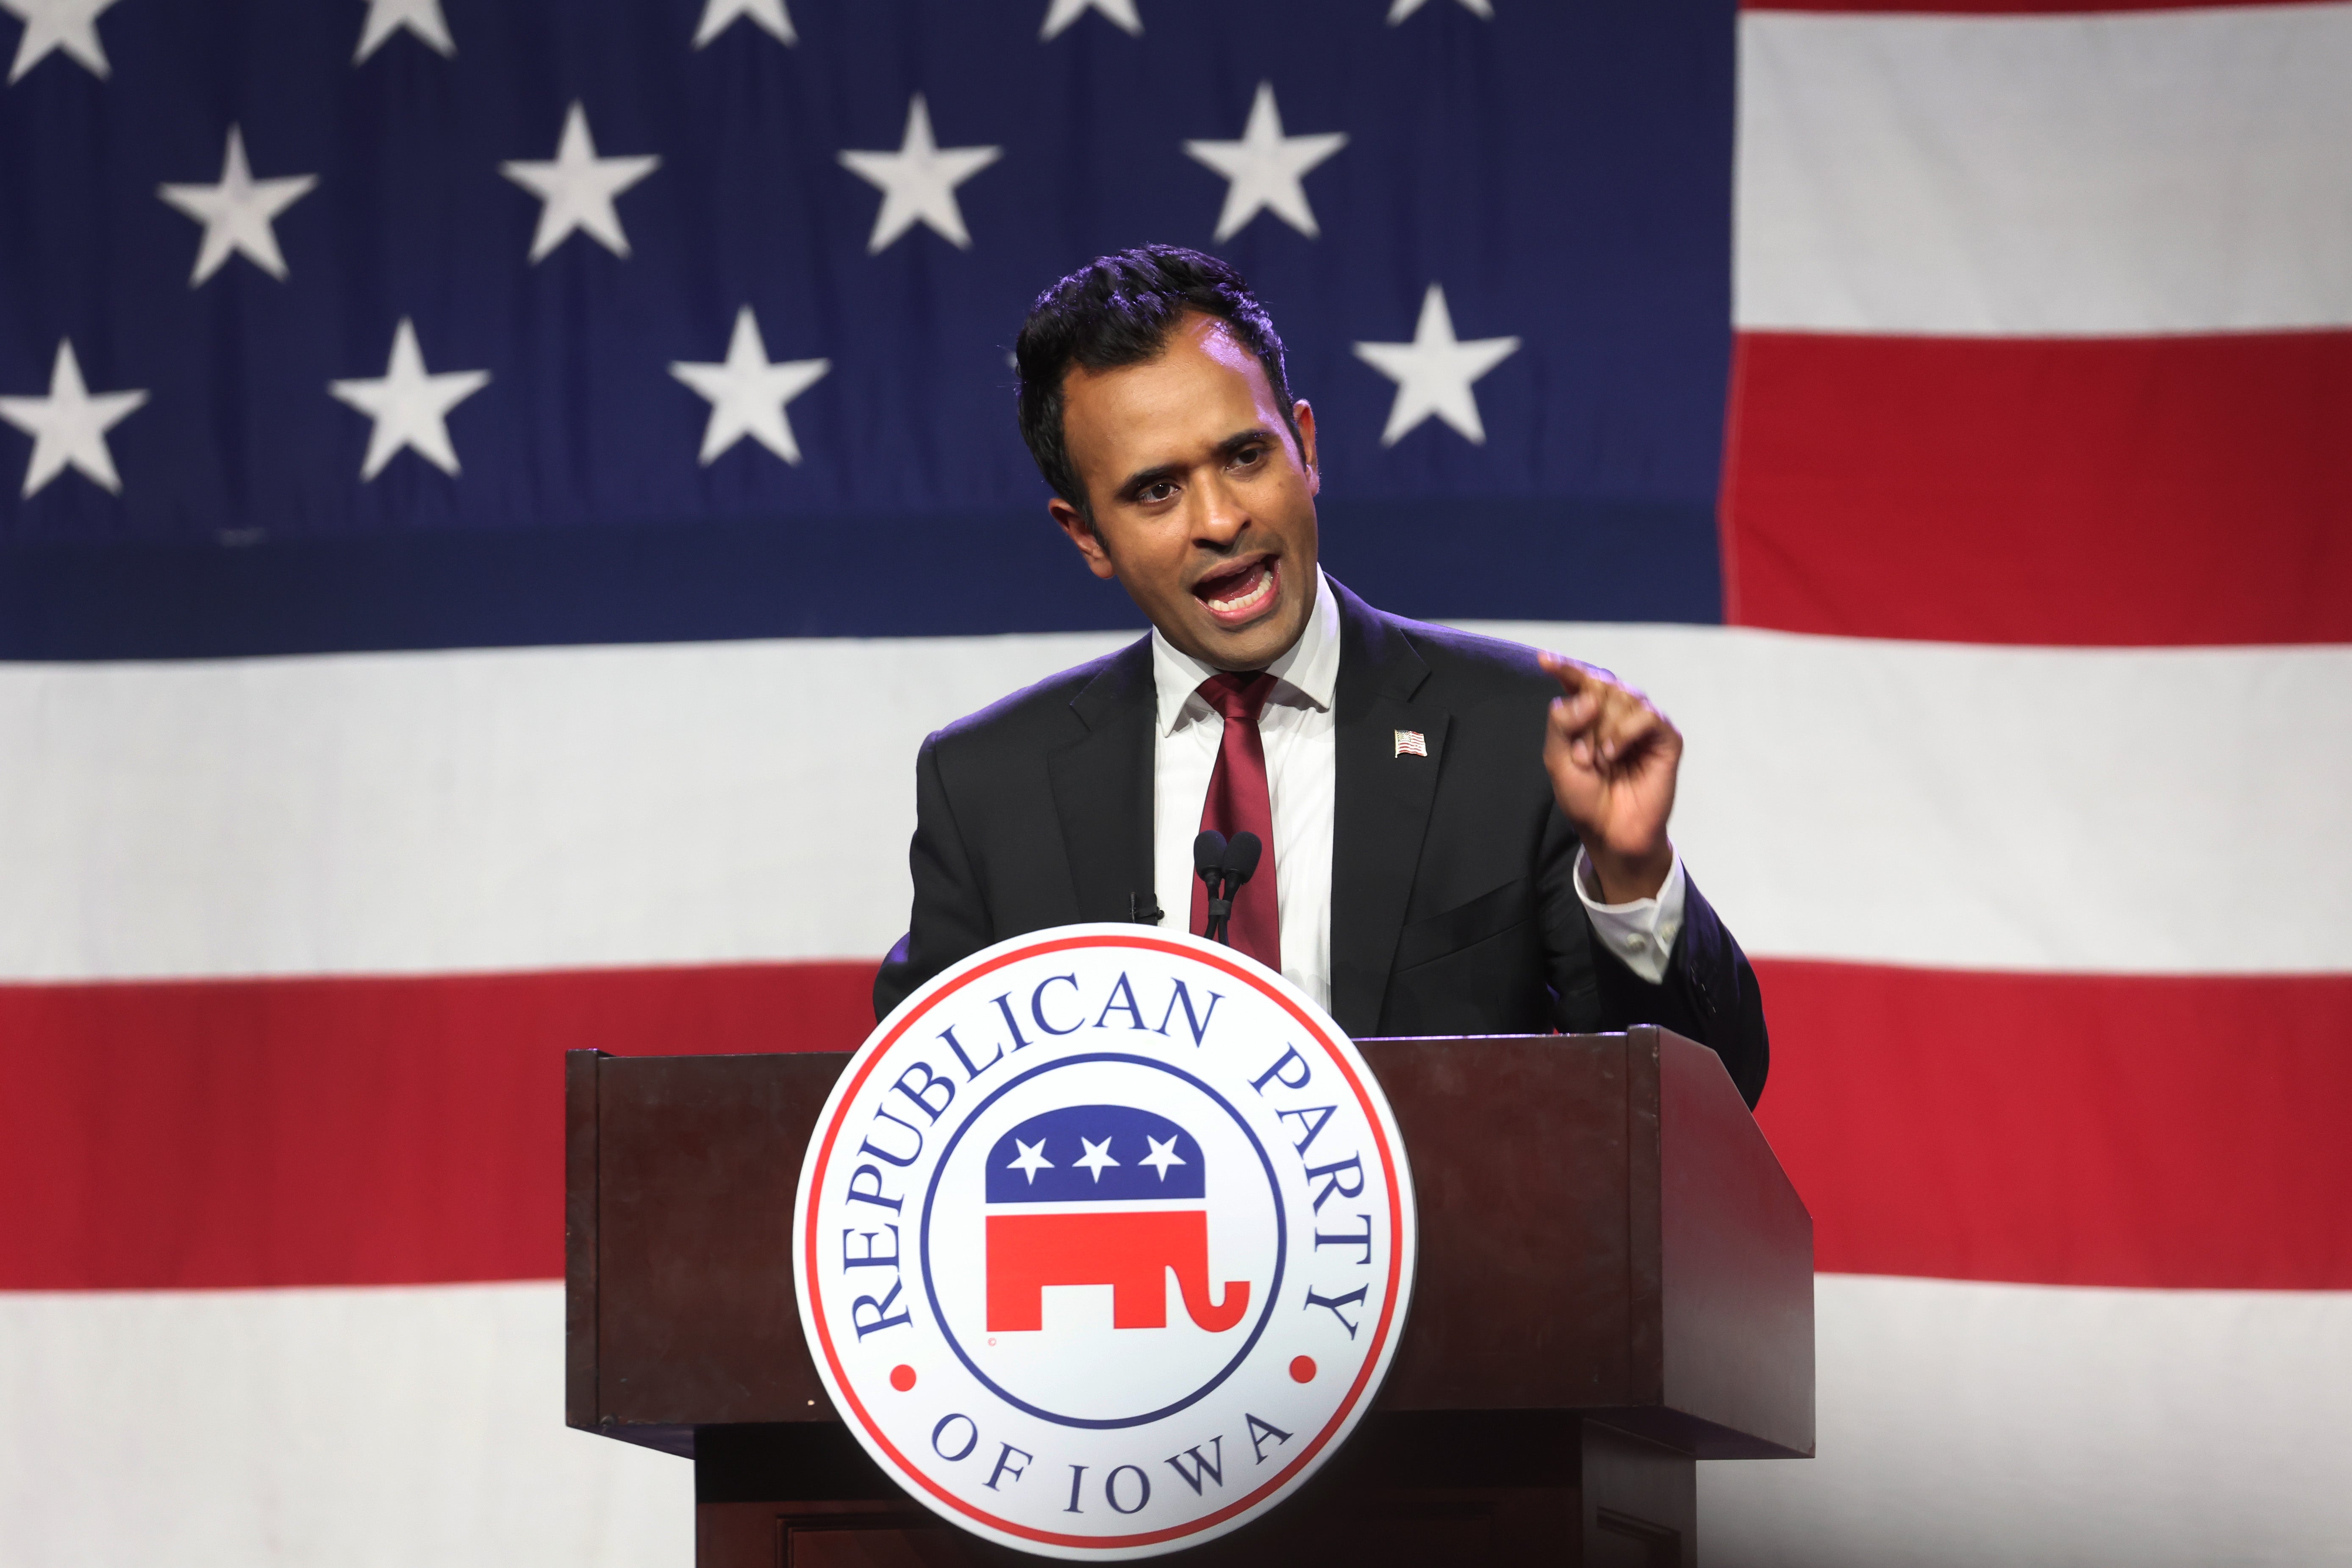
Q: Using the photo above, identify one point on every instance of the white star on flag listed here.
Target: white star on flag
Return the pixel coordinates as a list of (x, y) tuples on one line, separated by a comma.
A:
[(1162, 1155), (1264, 168), (1097, 1156), (1434, 372), (53, 25), (1404, 8), (410, 408), (769, 16), (1063, 13), (918, 182), (577, 187), (237, 212), (385, 17), (1031, 1160), (70, 425), (748, 395)]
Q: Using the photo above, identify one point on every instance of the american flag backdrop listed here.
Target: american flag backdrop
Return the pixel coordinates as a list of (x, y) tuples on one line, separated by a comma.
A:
[(493, 492)]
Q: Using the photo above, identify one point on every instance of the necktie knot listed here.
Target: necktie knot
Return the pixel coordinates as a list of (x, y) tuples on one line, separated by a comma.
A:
[(1238, 695)]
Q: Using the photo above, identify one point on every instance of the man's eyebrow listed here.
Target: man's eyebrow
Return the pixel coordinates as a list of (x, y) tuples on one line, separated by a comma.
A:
[(1144, 479), (1251, 437)]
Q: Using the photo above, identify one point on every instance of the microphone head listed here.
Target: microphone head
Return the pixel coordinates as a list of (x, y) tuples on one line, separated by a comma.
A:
[(1209, 856), (1241, 857)]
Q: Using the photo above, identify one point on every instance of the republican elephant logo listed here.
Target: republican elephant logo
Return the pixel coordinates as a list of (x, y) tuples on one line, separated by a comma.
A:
[(1102, 1194)]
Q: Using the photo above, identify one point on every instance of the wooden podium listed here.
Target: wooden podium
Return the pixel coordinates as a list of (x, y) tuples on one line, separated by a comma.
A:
[(1615, 1282)]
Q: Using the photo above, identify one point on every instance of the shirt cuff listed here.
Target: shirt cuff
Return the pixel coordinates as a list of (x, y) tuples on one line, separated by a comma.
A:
[(1640, 934)]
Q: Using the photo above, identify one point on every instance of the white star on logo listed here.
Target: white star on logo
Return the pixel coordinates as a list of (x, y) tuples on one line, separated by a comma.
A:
[(70, 425), (237, 212), (1265, 167), (1097, 1156), (577, 188), (718, 16), (1162, 1155), (918, 182), (748, 395), (410, 408), (52, 24), (1404, 8), (1434, 372), (1063, 13), (421, 17), (1032, 1160)]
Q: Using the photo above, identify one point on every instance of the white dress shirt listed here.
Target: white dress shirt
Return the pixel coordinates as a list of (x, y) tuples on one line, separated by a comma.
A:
[(1296, 729)]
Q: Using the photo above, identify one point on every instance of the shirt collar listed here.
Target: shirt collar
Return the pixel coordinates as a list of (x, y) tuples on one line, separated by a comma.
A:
[(1306, 671)]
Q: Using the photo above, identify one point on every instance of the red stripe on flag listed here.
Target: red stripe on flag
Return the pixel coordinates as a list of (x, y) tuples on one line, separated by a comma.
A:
[(2058, 1129), (2067, 1130), (339, 1132), (2117, 491)]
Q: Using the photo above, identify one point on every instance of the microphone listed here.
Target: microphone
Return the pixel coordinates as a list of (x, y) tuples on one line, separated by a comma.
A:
[(1222, 867), (1208, 855), (1241, 860), (1209, 852)]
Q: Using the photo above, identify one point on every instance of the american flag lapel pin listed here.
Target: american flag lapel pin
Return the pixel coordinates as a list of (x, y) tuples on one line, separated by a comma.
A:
[(1409, 743)]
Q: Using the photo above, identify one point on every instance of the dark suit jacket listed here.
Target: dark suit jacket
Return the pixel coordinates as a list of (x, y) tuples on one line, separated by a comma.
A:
[(1453, 911)]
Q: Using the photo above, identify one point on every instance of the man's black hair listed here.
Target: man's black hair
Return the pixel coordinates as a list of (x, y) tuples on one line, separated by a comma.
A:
[(1120, 309)]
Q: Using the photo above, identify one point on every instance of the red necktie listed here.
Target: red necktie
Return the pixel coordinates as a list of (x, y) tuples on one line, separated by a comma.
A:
[(1239, 802)]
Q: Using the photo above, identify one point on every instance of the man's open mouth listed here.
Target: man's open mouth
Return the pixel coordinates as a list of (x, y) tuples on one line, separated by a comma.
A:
[(1241, 593)]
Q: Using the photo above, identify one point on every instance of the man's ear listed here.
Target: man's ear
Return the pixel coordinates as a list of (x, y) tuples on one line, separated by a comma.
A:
[(1073, 522), (1304, 412)]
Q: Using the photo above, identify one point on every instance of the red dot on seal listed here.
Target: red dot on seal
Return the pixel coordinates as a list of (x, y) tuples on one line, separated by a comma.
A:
[(902, 1378), (1302, 1368)]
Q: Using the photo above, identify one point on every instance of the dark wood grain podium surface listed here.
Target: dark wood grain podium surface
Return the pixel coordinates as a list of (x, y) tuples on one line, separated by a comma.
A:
[(1615, 1281)]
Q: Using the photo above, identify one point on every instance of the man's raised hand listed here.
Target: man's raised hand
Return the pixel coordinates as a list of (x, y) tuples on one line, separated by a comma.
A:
[(1613, 758)]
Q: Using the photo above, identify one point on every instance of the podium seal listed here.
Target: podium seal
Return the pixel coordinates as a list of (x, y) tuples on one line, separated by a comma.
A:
[(1104, 1241)]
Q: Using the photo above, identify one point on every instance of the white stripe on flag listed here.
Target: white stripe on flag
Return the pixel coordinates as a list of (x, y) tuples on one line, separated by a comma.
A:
[(2168, 171), (1968, 1424), (375, 1428), (2138, 811)]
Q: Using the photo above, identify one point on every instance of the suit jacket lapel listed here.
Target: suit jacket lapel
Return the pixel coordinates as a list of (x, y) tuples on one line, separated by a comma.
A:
[(1380, 807), (1102, 787)]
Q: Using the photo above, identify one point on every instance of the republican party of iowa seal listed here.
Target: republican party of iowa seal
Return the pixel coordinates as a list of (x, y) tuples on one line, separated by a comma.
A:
[(1104, 1241)]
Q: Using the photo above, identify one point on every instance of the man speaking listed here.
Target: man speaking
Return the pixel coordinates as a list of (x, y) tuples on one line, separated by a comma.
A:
[(1461, 836)]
